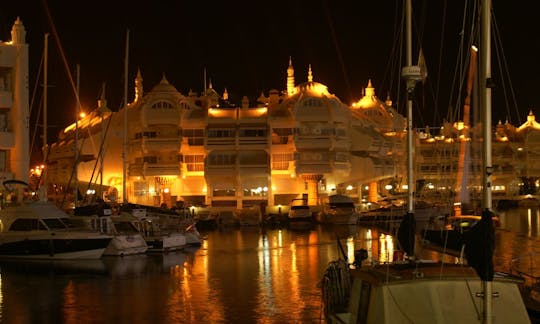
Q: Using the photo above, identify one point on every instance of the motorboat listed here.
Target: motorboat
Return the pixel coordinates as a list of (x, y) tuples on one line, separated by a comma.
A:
[(299, 213), (178, 220), (127, 240), (157, 237), (340, 209), (37, 229)]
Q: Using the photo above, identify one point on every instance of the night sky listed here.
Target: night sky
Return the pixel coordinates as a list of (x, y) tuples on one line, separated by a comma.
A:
[(245, 47)]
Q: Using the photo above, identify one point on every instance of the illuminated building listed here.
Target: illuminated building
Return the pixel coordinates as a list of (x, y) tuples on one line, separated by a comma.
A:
[(14, 106), (203, 150), (516, 159)]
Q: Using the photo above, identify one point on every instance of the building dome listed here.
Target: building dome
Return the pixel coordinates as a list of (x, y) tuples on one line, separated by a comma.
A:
[(164, 87), (376, 112)]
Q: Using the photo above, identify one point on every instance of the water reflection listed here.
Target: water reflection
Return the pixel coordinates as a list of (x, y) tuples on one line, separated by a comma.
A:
[(237, 275)]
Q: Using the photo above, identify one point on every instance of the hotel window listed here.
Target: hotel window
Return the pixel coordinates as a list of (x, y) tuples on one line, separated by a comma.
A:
[(162, 105), (221, 159), (194, 162), (252, 132), (4, 158), (195, 137), (281, 161), (148, 134), (4, 117), (221, 192), (221, 132), (5, 79), (311, 102), (150, 159)]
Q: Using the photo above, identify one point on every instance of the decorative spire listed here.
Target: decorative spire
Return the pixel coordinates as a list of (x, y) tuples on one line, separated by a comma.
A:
[(310, 74), (138, 85), (164, 79), (388, 100), (370, 91), (102, 102), (18, 33), (225, 94), (290, 78)]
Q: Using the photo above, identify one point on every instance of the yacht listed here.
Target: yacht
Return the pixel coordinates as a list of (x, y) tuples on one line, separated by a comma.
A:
[(127, 240), (299, 213), (40, 230), (340, 209)]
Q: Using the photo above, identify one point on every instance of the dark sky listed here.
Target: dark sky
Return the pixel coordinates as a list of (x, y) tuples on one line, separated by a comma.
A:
[(245, 47)]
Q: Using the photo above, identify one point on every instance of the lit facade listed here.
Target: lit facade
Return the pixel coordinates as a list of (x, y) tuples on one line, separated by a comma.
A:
[(205, 151), (515, 157), (14, 106)]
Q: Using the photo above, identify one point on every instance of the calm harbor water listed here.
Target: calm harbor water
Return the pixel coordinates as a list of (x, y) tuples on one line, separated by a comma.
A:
[(244, 275)]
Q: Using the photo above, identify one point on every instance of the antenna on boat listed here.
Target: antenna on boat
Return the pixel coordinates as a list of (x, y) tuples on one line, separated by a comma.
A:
[(412, 75)]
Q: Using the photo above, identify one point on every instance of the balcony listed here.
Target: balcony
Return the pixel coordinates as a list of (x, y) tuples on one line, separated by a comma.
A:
[(254, 169), (220, 142), (158, 144), (219, 170), (158, 169), (303, 168), (308, 143)]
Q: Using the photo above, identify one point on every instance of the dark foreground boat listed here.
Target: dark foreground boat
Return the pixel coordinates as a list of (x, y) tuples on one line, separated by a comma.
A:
[(416, 292)]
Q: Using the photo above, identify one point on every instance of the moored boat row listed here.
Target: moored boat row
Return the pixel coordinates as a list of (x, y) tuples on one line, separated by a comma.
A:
[(38, 229)]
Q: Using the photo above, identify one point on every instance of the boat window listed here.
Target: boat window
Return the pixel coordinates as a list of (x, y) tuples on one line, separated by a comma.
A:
[(342, 205), (25, 224), (124, 227), (54, 223)]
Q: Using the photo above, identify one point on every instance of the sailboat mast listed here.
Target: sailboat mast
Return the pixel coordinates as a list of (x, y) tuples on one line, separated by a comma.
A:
[(485, 78), (43, 185), (77, 112), (410, 89), (124, 156)]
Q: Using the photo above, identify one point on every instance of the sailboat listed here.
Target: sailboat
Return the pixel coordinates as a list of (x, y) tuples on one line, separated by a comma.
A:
[(411, 290)]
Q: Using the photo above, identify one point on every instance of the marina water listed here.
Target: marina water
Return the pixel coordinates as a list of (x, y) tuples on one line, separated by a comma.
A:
[(238, 275)]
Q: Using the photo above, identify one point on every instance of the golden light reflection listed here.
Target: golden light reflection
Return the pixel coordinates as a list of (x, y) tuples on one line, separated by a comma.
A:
[(70, 302), (529, 222), (369, 244), (386, 243), (537, 222), (350, 248)]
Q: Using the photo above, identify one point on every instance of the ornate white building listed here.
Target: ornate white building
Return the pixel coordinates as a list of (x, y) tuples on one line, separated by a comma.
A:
[(203, 150)]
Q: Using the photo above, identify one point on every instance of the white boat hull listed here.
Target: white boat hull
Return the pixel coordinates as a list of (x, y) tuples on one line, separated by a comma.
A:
[(126, 245), (166, 242)]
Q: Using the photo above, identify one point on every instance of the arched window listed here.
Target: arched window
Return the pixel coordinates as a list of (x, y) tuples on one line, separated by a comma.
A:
[(162, 105)]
